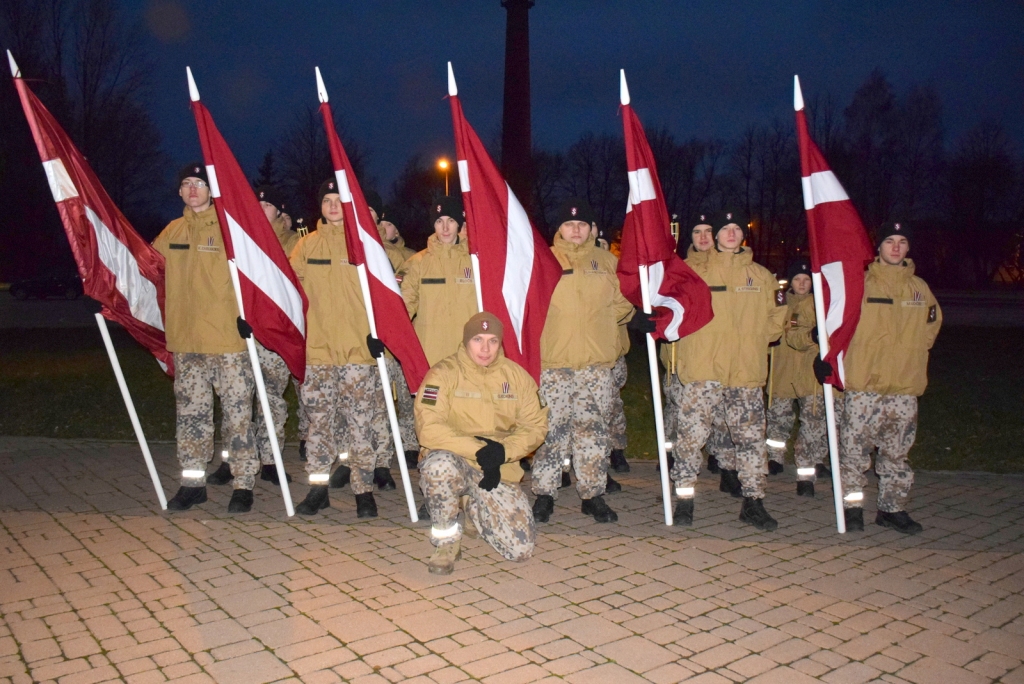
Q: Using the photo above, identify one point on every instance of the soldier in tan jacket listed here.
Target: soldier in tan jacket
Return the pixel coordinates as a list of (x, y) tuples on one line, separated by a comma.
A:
[(579, 346), (342, 392), (478, 414), (725, 363), (886, 369), (203, 331), (437, 283)]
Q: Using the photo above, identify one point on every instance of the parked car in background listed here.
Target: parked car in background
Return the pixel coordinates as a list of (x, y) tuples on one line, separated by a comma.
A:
[(64, 286)]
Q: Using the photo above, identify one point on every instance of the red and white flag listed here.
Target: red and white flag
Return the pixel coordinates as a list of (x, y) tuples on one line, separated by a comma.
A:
[(119, 269), (365, 247), (680, 298), (840, 248), (518, 273), (272, 298)]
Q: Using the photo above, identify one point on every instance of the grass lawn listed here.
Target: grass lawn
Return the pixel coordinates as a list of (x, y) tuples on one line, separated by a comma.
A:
[(58, 383)]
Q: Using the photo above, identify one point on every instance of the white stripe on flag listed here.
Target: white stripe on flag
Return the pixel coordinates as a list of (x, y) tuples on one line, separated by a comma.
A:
[(139, 292), (264, 274), (822, 187), (376, 258), (833, 275), (343, 189), (464, 175), (61, 184), (641, 187), (655, 276), (518, 264)]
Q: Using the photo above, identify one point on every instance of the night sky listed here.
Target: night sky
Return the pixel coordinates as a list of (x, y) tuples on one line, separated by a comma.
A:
[(701, 69)]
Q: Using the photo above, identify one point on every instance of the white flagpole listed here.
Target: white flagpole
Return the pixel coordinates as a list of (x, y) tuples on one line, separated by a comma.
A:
[(389, 401), (130, 405), (476, 283), (830, 411), (659, 418)]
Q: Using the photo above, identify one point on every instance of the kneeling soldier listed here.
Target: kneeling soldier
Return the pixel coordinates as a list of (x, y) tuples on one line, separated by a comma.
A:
[(478, 412)]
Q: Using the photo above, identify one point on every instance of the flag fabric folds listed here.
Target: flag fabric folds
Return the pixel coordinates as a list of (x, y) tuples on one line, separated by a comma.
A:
[(119, 269), (272, 298), (365, 247), (839, 245), (680, 299), (518, 273)]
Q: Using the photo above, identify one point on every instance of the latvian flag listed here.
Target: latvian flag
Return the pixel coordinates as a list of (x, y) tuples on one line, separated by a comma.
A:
[(840, 248), (118, 268)]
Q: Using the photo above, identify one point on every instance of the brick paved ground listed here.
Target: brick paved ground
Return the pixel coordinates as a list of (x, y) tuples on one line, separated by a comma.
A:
[(96, 584)]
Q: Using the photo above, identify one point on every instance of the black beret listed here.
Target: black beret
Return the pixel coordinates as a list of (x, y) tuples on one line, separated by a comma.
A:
[(271, 195), (375, 202), (450, 207), (193, 170), (799, 266), (889, 229), (574, 209), (328, 187), (723, 218)]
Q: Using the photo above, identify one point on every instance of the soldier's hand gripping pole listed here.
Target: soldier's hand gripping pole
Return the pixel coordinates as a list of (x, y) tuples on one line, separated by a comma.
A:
[(659, 418)]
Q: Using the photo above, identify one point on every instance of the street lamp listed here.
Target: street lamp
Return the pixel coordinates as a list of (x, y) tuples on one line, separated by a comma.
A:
[(444, 165)]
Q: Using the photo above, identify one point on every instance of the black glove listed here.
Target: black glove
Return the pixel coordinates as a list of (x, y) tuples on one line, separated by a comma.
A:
[(642, 322), (490, 457), (375, 346), (814, 334), (91, 305), (244, 329), (822, 370)]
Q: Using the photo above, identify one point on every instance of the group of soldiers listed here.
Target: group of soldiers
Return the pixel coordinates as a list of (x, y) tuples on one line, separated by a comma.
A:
[(479, 420)]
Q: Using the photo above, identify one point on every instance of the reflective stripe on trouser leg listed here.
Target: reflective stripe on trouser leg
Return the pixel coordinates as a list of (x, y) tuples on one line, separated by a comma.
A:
[(779, 419), (695, 404), (556, 388), (276, 377), (744, 414), (617, 409), (502, 516), (719, 442), (362, 403), (592, 392), (235, 385), (685, 492), (193, 400), (811, 446)]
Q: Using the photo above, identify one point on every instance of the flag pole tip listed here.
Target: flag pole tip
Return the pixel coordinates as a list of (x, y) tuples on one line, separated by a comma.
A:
[(623, 88), (452, 89), (321, 89), (798, 96), (193, 91), (15, 71)]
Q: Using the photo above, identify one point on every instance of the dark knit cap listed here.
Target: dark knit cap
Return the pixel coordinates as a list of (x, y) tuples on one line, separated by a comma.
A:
[(271, 195), (574, 209), (328, 187), (723, 218), (450, 207), (799, 266), (483, 322), (888, 229), (193, 170), (375, 203)]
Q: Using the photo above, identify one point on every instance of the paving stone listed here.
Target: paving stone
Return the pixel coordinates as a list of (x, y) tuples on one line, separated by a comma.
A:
[(255, 668)]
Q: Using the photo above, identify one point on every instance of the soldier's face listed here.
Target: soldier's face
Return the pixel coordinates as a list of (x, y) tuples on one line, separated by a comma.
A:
[(447, 229), (576, 232), (270, 211), (196, 193), (330, 207), (703, 240), (483, 349), (801, 284), (390, 230), (730, 238), (894, 249)]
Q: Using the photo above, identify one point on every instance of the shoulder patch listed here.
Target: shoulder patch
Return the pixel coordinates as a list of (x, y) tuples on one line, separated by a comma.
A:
[(933, 314), (780, 298), (429, 395)]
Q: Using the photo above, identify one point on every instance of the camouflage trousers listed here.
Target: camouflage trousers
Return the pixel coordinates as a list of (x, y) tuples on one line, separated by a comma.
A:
[(404, 408), (617, 411), (888, 421), (502, 515), (743, 412), (578, 402), (342, 403), (811, 446), (301, 411), (196, 378), (719, 444), (276, 377)]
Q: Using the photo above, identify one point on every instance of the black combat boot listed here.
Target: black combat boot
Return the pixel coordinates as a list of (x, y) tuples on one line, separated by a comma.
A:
[(683, 515), (618, 461), (612, 486), (713, 467), (186, 498), (730, 483), (899, 521), (412, 460), (805, 488), (775, 467), (822, 471), (241, 501), (566, 481), (269, 473), (340, 477), (382, 478), (671, 463), (302, 450), (599, 509), (316, 500), (366, 507), (543, 507), (854, 519), (221, 476), (423, 513), (753, 512)]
